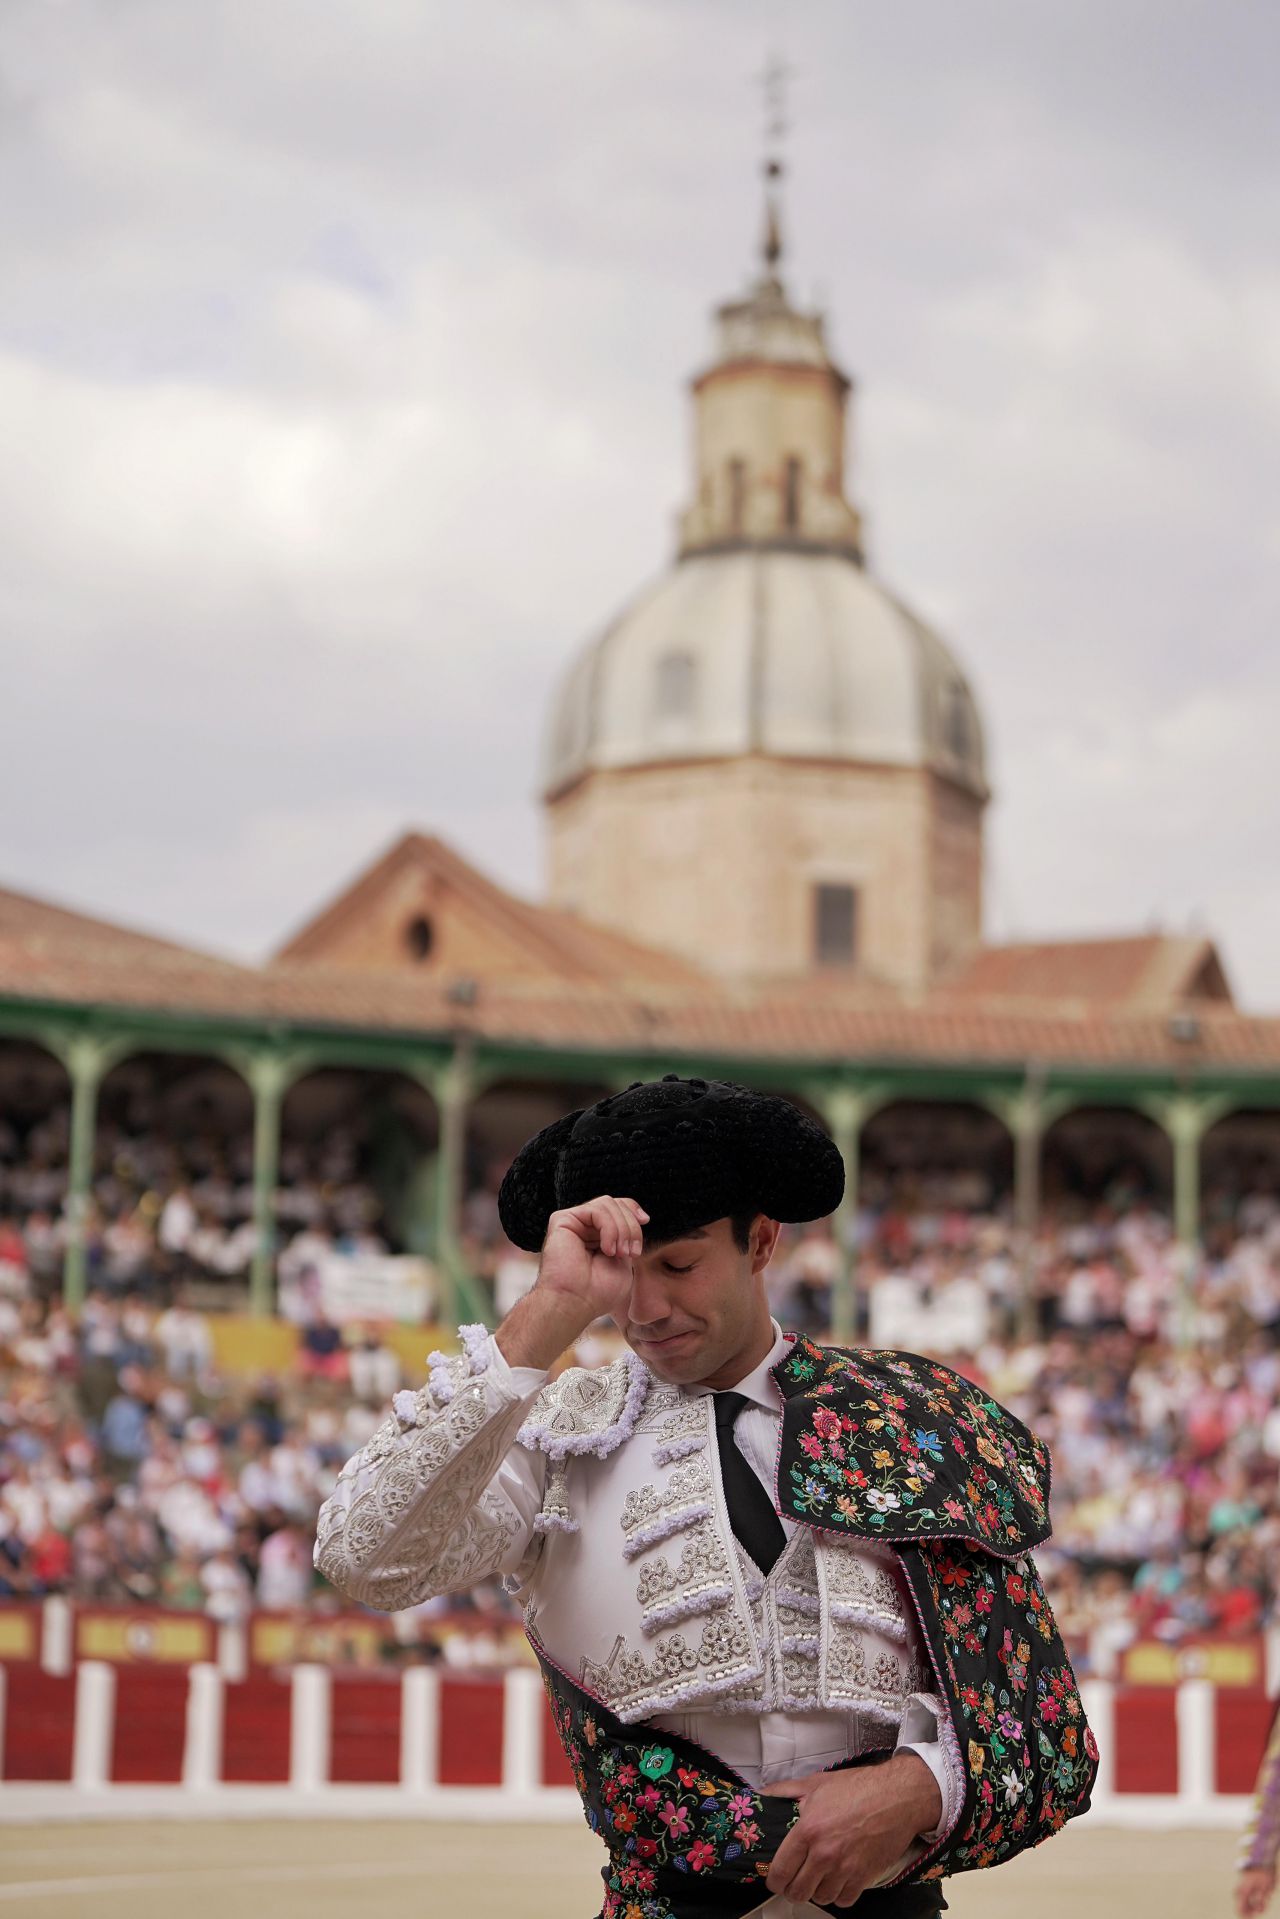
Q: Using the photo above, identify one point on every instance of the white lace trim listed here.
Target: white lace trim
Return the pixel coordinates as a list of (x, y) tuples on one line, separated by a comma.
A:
[(445, 1371), (475, 1343), (652, 1513), (554, 1523), (440, 1377), (555, 1516), (587, 1411)]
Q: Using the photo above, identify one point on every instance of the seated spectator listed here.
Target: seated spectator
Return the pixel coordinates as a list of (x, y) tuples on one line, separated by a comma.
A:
[(228, 1594), (184, 1339), (124, 1425), (374, 1369), (260, 1490), (15, 1276), (181, 1583), (285, 1573), (50, 1562), (321, 1354)]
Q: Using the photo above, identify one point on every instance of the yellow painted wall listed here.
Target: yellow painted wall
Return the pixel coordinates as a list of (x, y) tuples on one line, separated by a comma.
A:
[(244, 1347)]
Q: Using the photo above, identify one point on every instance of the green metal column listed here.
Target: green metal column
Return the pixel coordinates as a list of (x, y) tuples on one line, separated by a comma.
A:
[(1027, 1126), (87, 1059), (421, 1198), (1186, 1120), (453, 1085), (1186, 1178), (1186, 1126), (845, 1110), (268, 1075), (1029, 1114)]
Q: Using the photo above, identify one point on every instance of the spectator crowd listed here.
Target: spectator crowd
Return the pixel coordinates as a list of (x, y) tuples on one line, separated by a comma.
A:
[(135, 1469), (163, 1212)]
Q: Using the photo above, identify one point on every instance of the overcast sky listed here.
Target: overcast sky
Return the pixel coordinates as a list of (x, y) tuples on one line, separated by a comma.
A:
[(342, 362)]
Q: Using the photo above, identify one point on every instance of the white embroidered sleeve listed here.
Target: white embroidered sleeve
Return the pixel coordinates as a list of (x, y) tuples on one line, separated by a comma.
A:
[(441, 1496)]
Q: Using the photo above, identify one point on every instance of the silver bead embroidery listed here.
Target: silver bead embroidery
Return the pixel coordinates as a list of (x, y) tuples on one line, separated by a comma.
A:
[(635, 1687), (651, 1513), (699, 1582)]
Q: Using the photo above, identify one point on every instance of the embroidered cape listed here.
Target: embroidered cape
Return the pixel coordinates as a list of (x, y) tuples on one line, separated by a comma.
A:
[(895, 1447)]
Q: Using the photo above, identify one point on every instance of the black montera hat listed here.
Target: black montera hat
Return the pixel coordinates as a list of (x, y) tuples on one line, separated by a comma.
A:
[(689, 1150)]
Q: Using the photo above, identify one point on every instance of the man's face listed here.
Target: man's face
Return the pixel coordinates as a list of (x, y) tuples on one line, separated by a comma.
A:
[(697, 1308)]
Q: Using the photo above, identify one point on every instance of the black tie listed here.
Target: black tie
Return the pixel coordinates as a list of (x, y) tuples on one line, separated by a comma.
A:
[(751, 1513)]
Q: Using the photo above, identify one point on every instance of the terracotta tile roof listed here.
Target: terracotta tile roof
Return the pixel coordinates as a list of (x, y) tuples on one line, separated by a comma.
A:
[(568, 946), (50, 955), (1150, 971), (660, 1019), (37, 925)]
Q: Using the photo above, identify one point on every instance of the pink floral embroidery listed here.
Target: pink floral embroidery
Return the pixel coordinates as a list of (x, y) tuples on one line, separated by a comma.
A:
[(913, 1444)]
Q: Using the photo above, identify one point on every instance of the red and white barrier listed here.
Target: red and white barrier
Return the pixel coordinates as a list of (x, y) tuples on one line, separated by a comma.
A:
[(191, 1742)]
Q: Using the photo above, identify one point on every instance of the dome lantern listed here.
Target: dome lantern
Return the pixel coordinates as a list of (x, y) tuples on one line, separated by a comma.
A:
[(769, 422)]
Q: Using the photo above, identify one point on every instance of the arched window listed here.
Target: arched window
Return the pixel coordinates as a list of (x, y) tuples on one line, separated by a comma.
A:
[(958, 729), (835, 925), (673, 686), (791, 480), (737, 495), (419, 937)]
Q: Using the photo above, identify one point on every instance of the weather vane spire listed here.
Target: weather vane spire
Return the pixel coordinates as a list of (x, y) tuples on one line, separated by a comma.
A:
[(773, 82)]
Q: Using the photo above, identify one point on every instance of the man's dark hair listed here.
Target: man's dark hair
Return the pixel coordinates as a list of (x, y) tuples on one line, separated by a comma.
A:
[(740, 1225)]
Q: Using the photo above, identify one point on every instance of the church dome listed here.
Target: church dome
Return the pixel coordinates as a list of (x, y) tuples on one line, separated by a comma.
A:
[(759, 649)]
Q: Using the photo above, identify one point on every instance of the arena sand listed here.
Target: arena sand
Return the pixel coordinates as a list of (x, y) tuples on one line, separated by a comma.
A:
[(347, 1870)]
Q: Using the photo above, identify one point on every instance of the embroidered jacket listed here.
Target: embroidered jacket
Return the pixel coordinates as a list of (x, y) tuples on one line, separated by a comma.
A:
[(1261, 1840), (885, 1460), (603, 1507)]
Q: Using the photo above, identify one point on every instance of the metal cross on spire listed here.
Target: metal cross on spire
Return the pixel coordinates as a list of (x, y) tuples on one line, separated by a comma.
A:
[(773, 82)]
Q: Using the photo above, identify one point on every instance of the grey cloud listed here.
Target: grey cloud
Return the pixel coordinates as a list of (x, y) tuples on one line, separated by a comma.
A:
[(341, 352)]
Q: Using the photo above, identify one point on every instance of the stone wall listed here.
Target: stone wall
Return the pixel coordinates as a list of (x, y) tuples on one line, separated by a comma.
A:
[(718, 861)]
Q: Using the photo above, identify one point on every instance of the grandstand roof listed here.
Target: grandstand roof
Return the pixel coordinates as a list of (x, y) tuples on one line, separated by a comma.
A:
[(684, 1021), (1151, 1003)]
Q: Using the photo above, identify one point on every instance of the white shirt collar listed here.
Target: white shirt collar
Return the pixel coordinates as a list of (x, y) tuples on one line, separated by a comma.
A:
[(757, 1386)]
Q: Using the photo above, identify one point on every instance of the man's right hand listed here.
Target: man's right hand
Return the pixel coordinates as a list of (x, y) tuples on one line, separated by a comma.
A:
[(1254, 1887), (583, 1273)]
